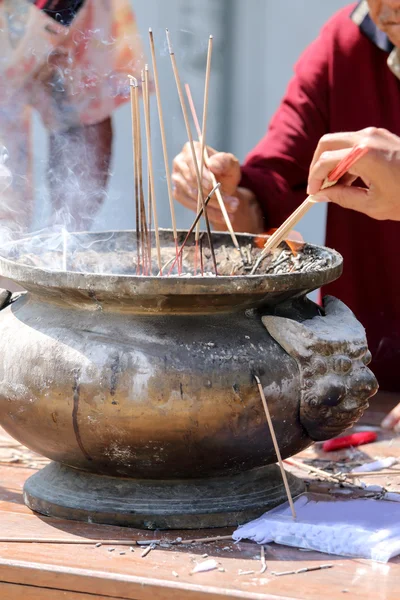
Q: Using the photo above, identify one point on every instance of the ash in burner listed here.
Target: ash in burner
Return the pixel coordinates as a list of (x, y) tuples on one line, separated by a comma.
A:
[(282, 260), (115, 253)]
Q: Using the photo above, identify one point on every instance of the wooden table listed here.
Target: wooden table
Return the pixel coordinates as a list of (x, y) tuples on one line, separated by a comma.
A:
[(43, 571)]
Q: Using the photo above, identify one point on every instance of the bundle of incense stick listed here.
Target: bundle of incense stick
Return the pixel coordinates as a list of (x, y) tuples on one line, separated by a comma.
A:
[(147, 216), (280, 234)]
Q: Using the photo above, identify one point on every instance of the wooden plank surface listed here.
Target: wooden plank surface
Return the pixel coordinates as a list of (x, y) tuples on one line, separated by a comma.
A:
[(41, 571), (10, 591)]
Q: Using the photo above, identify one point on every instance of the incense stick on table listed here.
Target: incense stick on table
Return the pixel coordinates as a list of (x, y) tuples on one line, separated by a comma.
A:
[(37, 540), (310, 469), (191, 143), (163, 139), (133, 84), (275, 442), (150, 167), (218, 193)]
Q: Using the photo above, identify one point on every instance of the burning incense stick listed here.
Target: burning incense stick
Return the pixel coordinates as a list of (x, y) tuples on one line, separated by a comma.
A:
[(64, 254), (150, 167), (139, 170), (163, 139), (275, 442), (280, 234), (218, 193), (202, 138), (146, 110), (198, 217), (190, 137), (133, 85), (201, 254)]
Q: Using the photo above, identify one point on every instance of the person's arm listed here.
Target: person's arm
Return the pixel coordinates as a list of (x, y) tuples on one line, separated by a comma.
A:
[(79, 161), (269, 186), (379, 169), (76, 91)]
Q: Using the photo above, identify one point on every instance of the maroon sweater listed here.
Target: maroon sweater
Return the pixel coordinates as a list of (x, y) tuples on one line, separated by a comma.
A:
[(341, 83)]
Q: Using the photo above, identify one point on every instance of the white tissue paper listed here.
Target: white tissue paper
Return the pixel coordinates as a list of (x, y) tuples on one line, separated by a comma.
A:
[(356, 527)]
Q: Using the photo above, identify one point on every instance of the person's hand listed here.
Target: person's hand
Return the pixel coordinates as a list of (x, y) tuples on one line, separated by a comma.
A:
[(392, 420), (241, 205), (379, 169)]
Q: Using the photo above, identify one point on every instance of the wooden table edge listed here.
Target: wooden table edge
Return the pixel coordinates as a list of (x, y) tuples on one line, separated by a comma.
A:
[(111, 584)]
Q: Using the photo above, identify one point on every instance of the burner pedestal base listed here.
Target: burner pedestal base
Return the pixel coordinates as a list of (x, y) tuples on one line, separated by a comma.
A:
[(67, 493)]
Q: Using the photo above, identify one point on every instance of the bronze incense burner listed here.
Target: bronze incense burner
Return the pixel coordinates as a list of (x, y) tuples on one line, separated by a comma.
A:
[(142, 392)]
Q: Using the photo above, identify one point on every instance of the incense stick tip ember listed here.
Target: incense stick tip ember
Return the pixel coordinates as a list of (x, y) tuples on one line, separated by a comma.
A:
[(133, 82), (170, 50)]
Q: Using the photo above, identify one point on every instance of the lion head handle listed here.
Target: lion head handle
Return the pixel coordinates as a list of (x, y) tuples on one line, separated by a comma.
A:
[(332, 354)]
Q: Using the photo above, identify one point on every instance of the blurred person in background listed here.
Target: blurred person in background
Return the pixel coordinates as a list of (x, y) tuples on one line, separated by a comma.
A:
[(69, 61), (347, 80)]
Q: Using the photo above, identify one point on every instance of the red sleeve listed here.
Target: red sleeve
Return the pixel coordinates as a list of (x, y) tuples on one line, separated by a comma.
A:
[(277, 169)]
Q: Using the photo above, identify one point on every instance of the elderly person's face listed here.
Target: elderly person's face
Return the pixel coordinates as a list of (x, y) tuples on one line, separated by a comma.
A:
[(386, 15)]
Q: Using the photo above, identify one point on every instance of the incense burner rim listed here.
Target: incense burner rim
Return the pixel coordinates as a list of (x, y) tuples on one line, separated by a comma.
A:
[(30, 276)]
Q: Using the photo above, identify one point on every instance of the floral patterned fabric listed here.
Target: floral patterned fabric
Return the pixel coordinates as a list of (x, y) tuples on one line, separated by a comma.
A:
[(72, 76)]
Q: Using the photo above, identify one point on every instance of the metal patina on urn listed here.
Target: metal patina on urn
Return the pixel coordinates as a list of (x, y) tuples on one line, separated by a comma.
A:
[(141, 389)]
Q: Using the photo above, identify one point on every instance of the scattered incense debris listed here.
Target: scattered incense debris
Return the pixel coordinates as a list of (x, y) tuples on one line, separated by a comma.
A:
[(147, 542), (111, 550), (148, 550), (205, 540), (175, 574), (205, 556), (392, 496), (131, 549), (98, 545), (263, 562), (13, 454), (280, 573), (221, 569), (207, 565), (240, 572), (122, 553)]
